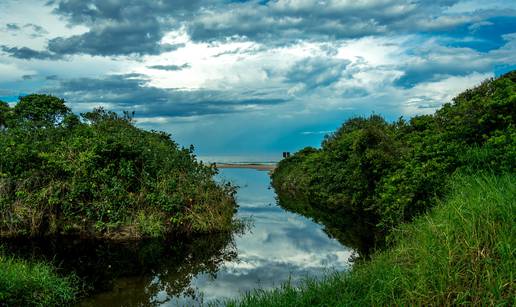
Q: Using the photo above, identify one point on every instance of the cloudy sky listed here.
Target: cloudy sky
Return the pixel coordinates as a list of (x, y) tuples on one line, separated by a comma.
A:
[(253, 78)]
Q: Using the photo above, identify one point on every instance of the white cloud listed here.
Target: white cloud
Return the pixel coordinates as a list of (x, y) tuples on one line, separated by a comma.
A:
[(425, 98), (471, 6), (10, 72)]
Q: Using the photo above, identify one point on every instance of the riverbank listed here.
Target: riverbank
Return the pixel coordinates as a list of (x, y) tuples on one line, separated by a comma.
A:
[(388, 173), (100, 176), (96, 176), (392, 174), (462, 252), (180, 272)]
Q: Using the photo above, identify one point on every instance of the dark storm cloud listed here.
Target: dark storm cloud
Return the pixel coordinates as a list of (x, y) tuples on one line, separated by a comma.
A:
[(317, 72), (170, 67), (95, 11), (119, 27), (436, 62), (12, 27), (25, 53), (136, 27), (129, 92), (119, 39), (429, 72), (291, 20)]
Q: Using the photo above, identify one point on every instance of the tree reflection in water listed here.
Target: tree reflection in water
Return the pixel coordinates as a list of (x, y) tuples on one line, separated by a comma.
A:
[(351, 230), (147, 273)]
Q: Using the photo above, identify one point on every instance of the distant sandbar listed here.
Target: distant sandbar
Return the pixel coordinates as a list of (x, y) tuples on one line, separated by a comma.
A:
[(256, 166)]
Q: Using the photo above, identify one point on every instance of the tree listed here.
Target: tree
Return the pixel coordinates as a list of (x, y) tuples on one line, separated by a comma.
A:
[(41, 110)]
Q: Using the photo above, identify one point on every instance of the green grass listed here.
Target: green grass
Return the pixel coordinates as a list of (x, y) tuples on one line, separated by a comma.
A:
[(28, 283), (463, 252)]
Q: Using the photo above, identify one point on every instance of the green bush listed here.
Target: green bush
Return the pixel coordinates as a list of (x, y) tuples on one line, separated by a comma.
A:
[(389, 173), (97, 176), (461, 253)]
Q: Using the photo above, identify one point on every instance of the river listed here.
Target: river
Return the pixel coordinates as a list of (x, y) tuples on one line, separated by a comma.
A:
[(276, 247)]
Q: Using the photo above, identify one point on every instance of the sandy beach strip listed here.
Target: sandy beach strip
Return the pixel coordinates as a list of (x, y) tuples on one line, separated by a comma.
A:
[(260, 167)]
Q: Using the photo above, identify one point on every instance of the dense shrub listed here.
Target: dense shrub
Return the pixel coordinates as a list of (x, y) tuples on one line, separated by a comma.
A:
[(99, 175), (391, 172)]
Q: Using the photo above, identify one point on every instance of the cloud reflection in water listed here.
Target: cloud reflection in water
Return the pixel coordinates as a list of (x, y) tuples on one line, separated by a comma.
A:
[(280, 246)]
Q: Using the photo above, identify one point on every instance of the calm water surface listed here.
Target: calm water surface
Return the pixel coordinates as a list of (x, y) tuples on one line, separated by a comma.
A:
[(278, 246)]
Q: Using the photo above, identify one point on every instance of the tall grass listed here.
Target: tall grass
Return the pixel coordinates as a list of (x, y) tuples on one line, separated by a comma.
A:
[(29, 283), (463, 252)]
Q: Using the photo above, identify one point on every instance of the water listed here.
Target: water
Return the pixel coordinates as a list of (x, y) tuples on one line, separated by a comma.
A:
[(281, 246), (278, 247)]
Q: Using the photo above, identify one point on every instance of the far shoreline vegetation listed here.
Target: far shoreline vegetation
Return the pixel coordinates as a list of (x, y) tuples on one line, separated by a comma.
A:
[(436, 195)]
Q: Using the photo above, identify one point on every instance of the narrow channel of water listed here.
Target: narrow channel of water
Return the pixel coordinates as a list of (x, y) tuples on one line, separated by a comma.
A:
[(278, 246)]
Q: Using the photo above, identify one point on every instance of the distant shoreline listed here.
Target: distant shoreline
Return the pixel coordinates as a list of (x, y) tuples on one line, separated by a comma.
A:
[(256, 166)]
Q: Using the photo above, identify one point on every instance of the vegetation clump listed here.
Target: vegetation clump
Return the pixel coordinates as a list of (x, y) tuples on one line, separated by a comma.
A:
[(388, 173), (29, 283), (98, 175)]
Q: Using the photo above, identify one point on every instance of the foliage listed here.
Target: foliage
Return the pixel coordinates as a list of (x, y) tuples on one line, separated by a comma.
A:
[(462, 253), (40, 110), (392, 172), (26, 283), (4, 109), (97, 176)]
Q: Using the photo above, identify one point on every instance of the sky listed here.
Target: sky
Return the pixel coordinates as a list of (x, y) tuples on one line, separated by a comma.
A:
[(251, 79)]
